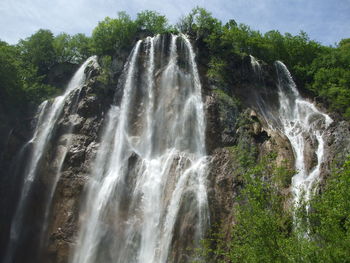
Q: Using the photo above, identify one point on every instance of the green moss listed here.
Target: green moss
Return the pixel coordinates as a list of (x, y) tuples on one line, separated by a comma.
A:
[(217, 69), (225, 98), (104, 77), (232, 150)]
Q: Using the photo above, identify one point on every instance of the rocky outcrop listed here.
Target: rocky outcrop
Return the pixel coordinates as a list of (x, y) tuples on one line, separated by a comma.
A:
[(95, 99), (53, 208), (60, 74), (337, 146), (249, 135), (247, 125), (17, 124)]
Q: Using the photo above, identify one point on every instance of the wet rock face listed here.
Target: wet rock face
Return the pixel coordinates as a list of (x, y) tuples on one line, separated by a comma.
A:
[(225, 184), (222, 120), (16, 128), (80, 126), (337, 146), (87, 124), (11, 141), (60, 74), (94, 101), (310, 154), (249, 133), (213, 132)]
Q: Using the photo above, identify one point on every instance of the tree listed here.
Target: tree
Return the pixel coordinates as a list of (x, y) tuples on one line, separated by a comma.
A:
[(73, 49), (81, 46), (112, 35), (151, 22), (61, 46), (21, 85), (11, 81), (38, 49), (199, 23), (344, 43)]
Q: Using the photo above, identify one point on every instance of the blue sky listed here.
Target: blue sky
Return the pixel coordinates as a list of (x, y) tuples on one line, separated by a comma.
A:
[(326, 21)]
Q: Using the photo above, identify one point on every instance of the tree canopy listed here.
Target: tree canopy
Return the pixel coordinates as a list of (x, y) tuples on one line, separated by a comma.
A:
[(112, 35), (322, 70), (152, 22)]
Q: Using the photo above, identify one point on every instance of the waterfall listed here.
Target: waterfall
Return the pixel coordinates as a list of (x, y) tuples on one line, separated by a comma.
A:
[(256, 67), (304, 125), (262, 97), (146, 200), (48, 115)]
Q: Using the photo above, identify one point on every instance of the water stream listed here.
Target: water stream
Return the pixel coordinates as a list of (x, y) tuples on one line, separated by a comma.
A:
[(304, 126), (48, 115), (147, 200)]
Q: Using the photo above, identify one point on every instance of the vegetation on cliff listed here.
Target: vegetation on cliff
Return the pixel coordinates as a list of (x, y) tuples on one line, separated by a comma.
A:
[(264, 230), (321, 70), (25, 67)]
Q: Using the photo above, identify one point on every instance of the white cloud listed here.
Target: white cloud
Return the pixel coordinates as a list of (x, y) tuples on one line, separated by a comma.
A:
[(324, 20)]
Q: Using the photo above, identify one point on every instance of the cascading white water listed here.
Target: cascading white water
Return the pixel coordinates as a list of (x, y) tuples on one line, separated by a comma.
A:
[(148, 181), (303, 124), (48, 115), (256, 67)]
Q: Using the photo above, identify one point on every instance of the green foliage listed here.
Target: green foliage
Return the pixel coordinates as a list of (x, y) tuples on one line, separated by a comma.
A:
[(21, 85), (11, 81), (72, 49), (199, 23), (244, 154), (227, 99), (106, 62), (113, 35), (38, 50), (330, 218), (331, 77), (333, 84), (242, 40), (152, 22), (263, 230), (60, 44), (217, 69), (295, 51), (283, 176), (37, 91), (324, 71)]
